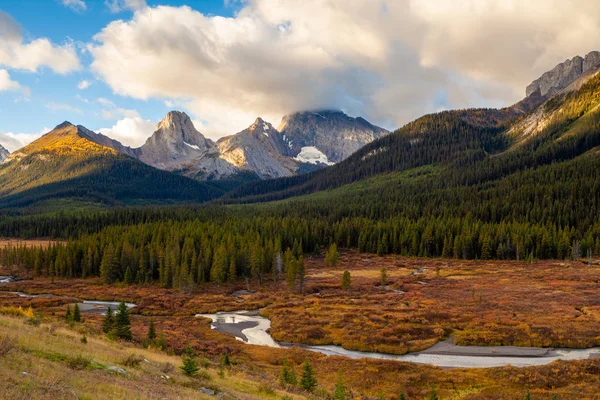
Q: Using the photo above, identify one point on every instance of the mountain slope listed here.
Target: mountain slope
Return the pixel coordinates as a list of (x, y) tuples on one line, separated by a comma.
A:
[(333, 133), (472, 145), (65, 163), (260, 150), (3, 153)]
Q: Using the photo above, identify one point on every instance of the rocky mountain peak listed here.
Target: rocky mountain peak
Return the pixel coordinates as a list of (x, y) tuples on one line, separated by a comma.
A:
[(175, 140), (331, 132), (563, 74)]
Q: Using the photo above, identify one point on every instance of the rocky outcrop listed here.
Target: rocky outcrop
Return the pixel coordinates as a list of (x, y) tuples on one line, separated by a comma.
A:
[(563, 74), (176, 145), (258, 149), (3, 154), (175, 142), (333, 133)]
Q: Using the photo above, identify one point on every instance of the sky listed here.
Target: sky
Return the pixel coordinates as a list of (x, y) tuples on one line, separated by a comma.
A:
[(118, 66)]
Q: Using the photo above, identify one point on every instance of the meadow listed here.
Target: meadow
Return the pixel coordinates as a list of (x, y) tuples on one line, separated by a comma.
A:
[(422, 301)]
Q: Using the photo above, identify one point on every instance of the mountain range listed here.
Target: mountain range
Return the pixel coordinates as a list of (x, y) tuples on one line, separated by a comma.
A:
[(557, 120)]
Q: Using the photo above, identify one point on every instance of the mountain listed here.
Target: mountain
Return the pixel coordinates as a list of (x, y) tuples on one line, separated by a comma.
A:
[(332, 133), (3, 154), (563, 74), (557, 121), (68, 162), (259, 151)]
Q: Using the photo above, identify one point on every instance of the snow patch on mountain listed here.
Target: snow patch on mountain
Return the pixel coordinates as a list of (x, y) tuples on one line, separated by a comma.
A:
[(193, 146), (312, 155)]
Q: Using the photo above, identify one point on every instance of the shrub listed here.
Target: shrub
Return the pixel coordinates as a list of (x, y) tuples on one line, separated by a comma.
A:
[(132, 360), (78, 362)]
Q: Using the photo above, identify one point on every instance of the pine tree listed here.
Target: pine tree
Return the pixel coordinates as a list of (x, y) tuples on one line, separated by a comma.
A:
[(108, 266), (76, 313), (288, 376), (151, 331), (433, 395), (340, 392), (128, 279), (308, 381), (68, 316), (190, 366), (108, 322), (402, 396), (122, 326), (332, 257), (383, 276), (346, 280), (226, 361)]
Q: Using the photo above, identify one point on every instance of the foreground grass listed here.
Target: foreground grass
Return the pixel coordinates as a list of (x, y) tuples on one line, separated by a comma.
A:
[(52, 362)]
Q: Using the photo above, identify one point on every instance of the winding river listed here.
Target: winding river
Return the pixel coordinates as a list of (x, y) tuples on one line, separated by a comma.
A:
[(251, 328)]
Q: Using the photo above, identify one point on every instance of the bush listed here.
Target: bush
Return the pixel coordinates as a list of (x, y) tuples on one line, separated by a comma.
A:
[(78, 362), (132, 360)]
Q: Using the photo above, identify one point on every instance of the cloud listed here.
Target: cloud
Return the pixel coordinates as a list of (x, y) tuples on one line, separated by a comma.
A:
[(389, 61), (130, 131), (33, 55), (6, 83), (84, 84), (75, 5), (14, 141), (63, 107), (113, 112), (116, 6)]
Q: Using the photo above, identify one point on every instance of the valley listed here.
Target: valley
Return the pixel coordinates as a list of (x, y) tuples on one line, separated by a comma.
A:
[(485, 303)]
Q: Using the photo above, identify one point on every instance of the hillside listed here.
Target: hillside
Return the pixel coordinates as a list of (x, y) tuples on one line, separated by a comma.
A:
[(66, 163), (471, 146)]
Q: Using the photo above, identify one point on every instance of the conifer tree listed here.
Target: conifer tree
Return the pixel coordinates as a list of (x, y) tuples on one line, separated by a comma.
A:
[(122, 326), (346, 280), (332, 257), (340, 392), (383, 276), (308, 381), (68, 316), (108, 322), (190, 366), (76, 313), (151, 331)]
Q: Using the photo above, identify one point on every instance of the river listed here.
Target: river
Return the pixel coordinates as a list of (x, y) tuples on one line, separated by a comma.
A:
[(251, 328)]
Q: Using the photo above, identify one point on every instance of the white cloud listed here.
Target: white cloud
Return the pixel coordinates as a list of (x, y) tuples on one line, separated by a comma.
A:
[(6, 83), (14, 141), (390, 61), (113, 112), (75, 5), (84, 84), (116, 6), (31, 56), (105, 102), (63, 107), (130, 131)]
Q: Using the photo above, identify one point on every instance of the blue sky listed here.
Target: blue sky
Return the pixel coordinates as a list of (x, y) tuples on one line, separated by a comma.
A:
[(118, 66), (53, 97)]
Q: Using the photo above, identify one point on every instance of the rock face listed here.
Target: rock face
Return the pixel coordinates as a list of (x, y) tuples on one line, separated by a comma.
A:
[(333, 133), (175, 142), (3, 153), (563, 74), (258, 149), (309, 141)]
